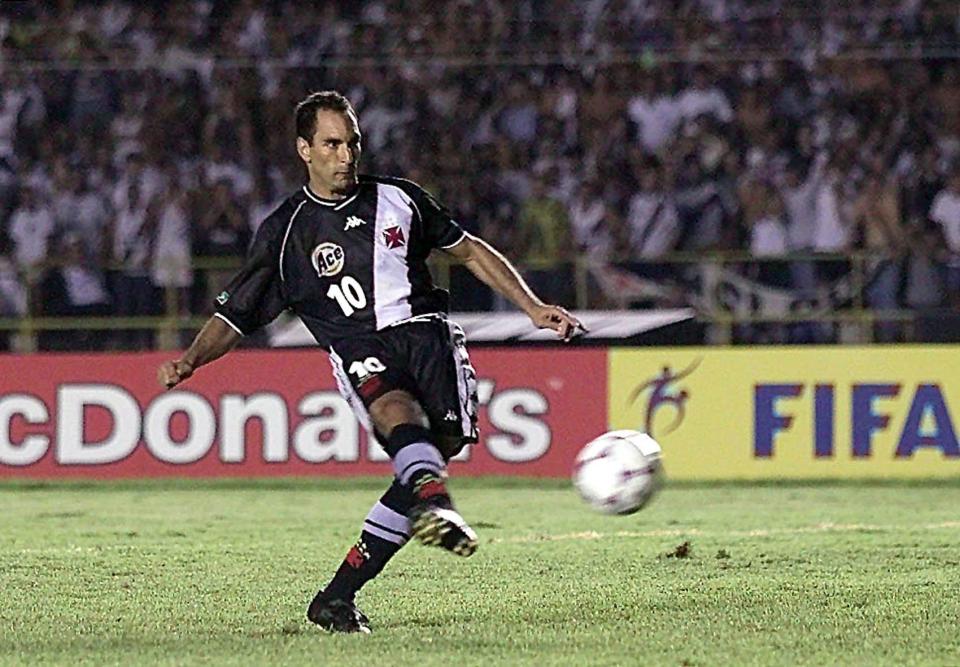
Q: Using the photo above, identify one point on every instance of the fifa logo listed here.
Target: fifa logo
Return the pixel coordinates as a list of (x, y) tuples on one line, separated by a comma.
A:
[(661, 392)]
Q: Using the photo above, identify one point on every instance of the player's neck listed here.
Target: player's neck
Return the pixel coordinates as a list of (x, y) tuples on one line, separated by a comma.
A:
[(320, 192)]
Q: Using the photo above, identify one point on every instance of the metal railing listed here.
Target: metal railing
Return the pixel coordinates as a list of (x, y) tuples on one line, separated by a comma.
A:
[(702, 280)]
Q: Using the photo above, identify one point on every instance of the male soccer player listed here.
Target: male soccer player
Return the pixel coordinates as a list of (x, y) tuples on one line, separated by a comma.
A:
[(347, 254)]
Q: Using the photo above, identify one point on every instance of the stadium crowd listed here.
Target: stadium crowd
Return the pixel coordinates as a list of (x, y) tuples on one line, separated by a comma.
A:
[(135, 136)]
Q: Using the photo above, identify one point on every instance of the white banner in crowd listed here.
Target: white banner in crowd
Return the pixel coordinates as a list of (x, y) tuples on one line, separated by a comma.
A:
[(713, 289)]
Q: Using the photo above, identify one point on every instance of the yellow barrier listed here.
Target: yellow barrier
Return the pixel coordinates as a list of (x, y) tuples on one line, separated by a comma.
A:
[(790, 412)]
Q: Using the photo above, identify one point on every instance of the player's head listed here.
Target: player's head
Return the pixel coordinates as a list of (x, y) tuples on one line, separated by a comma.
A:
[(328, 142)]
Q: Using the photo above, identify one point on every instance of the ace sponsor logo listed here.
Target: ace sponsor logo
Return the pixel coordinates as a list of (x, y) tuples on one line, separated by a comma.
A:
[(327, 259)]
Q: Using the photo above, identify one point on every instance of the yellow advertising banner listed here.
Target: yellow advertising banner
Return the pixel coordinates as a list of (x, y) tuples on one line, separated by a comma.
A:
[(793, 412)]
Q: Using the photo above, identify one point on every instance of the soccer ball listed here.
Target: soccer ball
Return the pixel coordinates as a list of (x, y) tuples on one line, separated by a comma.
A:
[(618, 472)]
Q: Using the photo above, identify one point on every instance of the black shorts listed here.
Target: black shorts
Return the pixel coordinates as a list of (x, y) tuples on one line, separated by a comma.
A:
[(426, 356)]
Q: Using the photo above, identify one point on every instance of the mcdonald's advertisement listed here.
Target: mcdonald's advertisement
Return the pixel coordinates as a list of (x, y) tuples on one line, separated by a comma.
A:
[(275, 413), (793, 412)]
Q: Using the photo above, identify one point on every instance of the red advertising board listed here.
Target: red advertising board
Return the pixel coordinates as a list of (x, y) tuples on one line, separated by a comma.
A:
[(274, 412)]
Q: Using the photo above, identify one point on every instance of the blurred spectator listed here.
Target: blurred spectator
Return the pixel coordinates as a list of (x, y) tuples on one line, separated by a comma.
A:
[(133, 237), (228, 136), (945, 212), (135, 175), (518, 120), (93, 211), (703, 97), (768, 233), (31, 225), (652, 220), (832, 213), (12, 102), (220, 168), (601, 104), (799, 194), (700, 207), (171, 267), (126, 126), (589, 221), (877, 214), (544, 244), (654, 112), (80, 210), (926, 270), (75, 287), (13, 296), (222, 231)]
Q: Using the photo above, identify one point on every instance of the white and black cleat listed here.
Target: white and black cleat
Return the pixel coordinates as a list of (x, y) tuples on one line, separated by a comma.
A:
[(443, 527)]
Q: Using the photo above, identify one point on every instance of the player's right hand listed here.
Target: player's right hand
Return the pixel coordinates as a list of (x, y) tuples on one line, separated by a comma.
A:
[(172, 373)]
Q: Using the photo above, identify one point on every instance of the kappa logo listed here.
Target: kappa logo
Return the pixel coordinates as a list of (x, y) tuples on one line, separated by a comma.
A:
[(353, 222), (393, 237), (451, 416), (327, 259)]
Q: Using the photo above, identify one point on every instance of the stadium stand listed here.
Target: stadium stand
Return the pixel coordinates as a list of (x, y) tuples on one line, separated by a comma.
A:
[(786, 168)]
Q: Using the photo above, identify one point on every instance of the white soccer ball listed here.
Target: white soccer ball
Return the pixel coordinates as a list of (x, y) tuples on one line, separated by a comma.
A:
[(618, 472)]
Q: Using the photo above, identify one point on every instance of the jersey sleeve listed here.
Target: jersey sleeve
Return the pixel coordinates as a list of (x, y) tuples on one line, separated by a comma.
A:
[(440, 229), (254, 296)]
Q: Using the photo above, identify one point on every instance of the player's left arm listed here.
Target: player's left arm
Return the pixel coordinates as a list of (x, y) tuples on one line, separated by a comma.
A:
[(491, 267)]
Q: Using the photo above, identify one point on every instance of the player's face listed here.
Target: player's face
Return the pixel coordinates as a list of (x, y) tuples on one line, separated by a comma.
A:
[(333, 155)]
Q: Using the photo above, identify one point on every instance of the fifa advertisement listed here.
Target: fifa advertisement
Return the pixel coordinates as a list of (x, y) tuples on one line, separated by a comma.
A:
[(275, 412), (776, 412)]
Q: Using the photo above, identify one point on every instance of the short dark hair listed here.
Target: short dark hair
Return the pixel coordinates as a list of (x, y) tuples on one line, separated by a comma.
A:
[(306, 111)]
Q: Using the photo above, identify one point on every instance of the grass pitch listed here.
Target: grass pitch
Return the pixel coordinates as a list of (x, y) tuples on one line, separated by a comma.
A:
[(221, 572)]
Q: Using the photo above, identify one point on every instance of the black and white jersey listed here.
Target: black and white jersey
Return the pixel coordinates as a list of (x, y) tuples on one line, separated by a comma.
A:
[(345, 267)]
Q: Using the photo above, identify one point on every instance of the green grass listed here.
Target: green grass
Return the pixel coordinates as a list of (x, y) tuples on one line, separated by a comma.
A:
[(220, 573)]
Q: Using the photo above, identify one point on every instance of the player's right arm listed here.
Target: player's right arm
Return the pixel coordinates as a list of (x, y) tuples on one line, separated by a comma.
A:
[(252, 298), (215, 339)]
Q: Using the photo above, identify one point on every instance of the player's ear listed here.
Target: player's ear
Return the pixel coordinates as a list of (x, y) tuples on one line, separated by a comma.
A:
[(303, 149)]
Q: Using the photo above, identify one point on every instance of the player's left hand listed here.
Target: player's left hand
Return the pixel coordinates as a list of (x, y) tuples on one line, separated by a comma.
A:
[(558, 319)]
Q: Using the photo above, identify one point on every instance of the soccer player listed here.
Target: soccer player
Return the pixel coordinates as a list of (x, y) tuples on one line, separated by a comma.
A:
[(347, 253)]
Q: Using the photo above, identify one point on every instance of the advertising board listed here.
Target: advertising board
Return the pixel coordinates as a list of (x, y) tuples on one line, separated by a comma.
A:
[(776, 412), (269, 413)]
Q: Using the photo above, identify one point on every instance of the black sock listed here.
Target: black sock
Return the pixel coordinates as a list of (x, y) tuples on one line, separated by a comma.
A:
[(385, 530)]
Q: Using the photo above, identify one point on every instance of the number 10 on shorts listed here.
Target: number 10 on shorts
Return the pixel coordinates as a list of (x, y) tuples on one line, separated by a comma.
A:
[(366, 367)]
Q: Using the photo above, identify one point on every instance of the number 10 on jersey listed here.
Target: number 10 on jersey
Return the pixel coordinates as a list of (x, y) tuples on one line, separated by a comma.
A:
[(348, 294)]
